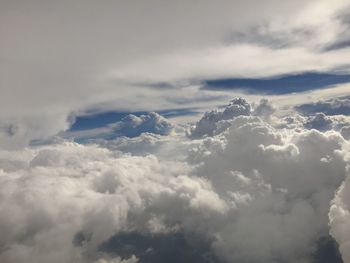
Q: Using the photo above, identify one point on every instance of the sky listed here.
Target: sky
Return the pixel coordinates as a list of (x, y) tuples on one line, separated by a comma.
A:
[(141, 131)]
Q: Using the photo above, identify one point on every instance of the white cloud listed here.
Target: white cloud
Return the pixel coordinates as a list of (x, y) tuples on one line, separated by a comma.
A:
[(339, 217), (339, 213), (67, 189), (211, 121), (254, 192), (281, 186), (257, 188)]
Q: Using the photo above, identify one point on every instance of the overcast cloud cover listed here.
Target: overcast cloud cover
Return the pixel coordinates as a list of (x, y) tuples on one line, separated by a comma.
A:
[(234, 175)]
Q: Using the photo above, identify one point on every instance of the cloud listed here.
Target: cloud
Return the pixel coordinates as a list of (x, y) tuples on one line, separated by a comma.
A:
[(132, 259), (334, 106), (216, 121), (210, 121), (265, 109), (345, 131), (129, 126), (66, 189), (132, 125), (339, 217), (252, 192), (92, 60), (277, 184), (252, 182), (323, 122)]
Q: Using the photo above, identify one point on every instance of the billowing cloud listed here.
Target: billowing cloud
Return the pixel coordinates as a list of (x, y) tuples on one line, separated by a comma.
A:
[(339, 217), (259, 181), (275, 181), (253, 191), (210, 122), (334, 106)]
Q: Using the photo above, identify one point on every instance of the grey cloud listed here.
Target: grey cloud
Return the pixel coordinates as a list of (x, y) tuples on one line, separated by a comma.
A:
[(58, 58), (345, 131), (340, 219), (336, 106)]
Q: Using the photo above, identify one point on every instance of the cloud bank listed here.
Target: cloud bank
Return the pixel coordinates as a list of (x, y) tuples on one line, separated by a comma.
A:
[(258, 181), (256, 189)]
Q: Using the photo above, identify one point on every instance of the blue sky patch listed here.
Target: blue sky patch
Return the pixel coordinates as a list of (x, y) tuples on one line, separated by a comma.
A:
[(279, 85), (102, 119)]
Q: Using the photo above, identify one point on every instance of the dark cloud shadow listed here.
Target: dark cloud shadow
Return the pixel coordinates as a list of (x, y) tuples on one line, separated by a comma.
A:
[(159, 248), (327, 251)]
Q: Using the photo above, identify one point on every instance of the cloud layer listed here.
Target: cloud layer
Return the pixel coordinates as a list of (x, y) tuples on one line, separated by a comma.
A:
[(255, 190), (114, 55), (247, 182)]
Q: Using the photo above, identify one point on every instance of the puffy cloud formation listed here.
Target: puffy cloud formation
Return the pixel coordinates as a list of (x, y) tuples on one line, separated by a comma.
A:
[(332, 114), (252, 184), (132, 125), (333, 106), (65, 200), (323, 122), (208, 124), (339, 217), (279, 186), (345, 131), (215, 121), (129, 126), (250, 190), (264, 109)]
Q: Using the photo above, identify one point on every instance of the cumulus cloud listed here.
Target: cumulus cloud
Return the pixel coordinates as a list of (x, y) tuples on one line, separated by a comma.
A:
[(246, 183), (132, 125), (339, 217), (273, 181), (252, 192), (68, 192), (264, 109), (323, 122), (215, 121), (335, 106), (129, 126), (208, 124), (345, 131)]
